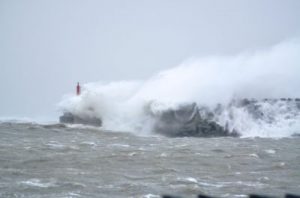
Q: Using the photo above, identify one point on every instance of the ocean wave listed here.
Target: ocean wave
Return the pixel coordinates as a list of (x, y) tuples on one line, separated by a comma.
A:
[(214, 84)]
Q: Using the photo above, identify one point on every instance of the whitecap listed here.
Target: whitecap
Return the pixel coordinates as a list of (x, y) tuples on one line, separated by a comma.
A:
[(241, 195), (151, 196), (163, 155), (120, 145), (55, 145), (270, 151), (132, 154), (72, 194), (89, 143), (254, 155), (191, 179), (38, 183)]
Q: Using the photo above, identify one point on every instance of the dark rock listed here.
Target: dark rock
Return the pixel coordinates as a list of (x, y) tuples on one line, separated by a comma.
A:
[(69, 118), (186, 121)]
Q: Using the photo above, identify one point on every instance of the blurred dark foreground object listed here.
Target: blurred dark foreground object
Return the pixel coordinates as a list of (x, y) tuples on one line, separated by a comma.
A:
[(250, 196)]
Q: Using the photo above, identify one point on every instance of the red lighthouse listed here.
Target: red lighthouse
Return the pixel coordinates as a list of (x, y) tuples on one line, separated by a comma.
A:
[(78, 89)]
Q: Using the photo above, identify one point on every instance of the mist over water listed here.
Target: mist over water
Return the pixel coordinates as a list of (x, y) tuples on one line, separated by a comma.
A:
[(208, 81)]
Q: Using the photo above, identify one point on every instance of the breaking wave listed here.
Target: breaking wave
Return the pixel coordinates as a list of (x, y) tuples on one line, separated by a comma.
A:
[(211, 83)]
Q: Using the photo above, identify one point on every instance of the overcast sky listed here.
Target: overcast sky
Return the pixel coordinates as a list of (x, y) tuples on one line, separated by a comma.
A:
[(46, 46)]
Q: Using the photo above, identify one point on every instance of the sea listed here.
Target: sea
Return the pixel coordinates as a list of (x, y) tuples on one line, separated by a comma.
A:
[(63, 161)]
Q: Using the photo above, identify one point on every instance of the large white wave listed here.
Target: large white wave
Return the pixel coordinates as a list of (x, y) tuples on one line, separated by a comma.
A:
[(268, 73)]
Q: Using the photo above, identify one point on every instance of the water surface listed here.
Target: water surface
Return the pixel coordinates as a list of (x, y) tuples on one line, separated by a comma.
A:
[(57, 161)]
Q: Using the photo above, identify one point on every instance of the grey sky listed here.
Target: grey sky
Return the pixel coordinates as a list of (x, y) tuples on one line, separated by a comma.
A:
[(47, 46)]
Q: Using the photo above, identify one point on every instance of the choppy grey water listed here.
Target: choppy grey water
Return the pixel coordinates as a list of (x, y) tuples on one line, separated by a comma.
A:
[(57, 161)]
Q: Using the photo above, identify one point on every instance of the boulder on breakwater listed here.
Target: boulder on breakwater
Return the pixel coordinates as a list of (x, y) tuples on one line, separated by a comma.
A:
[(185, 121)]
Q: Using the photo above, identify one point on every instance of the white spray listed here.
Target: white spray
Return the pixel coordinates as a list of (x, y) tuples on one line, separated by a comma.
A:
[(272, 73)]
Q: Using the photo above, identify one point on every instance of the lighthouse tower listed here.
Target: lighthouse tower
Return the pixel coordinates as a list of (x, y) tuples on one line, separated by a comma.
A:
[(78, 89)]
